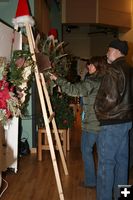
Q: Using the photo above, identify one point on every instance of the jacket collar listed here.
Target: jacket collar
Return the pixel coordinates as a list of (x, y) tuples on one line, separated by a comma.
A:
[(122, 58)]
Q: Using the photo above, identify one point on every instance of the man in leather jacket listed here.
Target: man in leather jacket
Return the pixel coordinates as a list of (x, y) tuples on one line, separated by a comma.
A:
[(114, 110)]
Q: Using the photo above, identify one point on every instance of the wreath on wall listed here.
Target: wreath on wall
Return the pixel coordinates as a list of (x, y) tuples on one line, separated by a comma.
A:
[(15, 79)]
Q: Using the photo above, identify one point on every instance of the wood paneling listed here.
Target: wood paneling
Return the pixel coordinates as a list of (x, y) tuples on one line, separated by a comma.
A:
[(117, 13), (114, 12), (81, 11), (42, 16)]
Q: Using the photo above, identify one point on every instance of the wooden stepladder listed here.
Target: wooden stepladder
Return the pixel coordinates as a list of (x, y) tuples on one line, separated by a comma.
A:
[(43, 93)]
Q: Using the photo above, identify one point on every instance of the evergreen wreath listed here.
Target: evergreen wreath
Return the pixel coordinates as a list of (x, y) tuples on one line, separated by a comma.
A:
[(51, 58), (15, 77)]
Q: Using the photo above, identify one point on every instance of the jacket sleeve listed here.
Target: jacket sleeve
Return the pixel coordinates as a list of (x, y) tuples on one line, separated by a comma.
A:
[(77, 89)]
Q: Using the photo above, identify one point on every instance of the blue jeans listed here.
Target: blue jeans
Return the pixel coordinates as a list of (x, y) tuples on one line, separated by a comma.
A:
[(87, 143), (112, 150)]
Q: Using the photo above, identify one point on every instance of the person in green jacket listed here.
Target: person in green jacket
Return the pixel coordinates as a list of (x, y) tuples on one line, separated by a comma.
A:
[(87, 89)]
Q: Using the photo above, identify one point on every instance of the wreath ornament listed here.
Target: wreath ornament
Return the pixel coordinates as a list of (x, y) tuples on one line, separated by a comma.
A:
[(14, 84)]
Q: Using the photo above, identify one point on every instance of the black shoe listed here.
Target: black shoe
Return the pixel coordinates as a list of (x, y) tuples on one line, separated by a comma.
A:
[(82, 184)]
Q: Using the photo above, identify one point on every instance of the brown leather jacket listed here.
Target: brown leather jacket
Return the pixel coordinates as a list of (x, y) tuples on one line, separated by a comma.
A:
[(114, 100)]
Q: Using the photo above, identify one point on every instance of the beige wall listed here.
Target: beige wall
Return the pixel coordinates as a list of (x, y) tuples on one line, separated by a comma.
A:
[(129, 37), (82, 45), (78, 42)]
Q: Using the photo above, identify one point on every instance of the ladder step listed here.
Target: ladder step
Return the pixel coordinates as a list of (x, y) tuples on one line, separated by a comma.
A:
[(51, 117)]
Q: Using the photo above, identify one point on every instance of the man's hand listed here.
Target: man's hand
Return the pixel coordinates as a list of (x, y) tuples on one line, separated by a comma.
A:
[(52, 76)]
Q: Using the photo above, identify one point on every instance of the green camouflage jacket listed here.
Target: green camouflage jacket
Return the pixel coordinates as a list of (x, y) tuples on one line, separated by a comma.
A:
[(86, 89)]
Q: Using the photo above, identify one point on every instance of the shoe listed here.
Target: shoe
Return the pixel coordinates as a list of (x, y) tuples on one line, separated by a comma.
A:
[(82, 184)]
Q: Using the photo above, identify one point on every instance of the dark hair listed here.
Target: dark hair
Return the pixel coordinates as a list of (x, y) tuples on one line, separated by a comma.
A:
[(100, 62)]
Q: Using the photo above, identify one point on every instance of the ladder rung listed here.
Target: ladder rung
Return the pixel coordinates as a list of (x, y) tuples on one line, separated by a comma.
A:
[(51, 117)]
